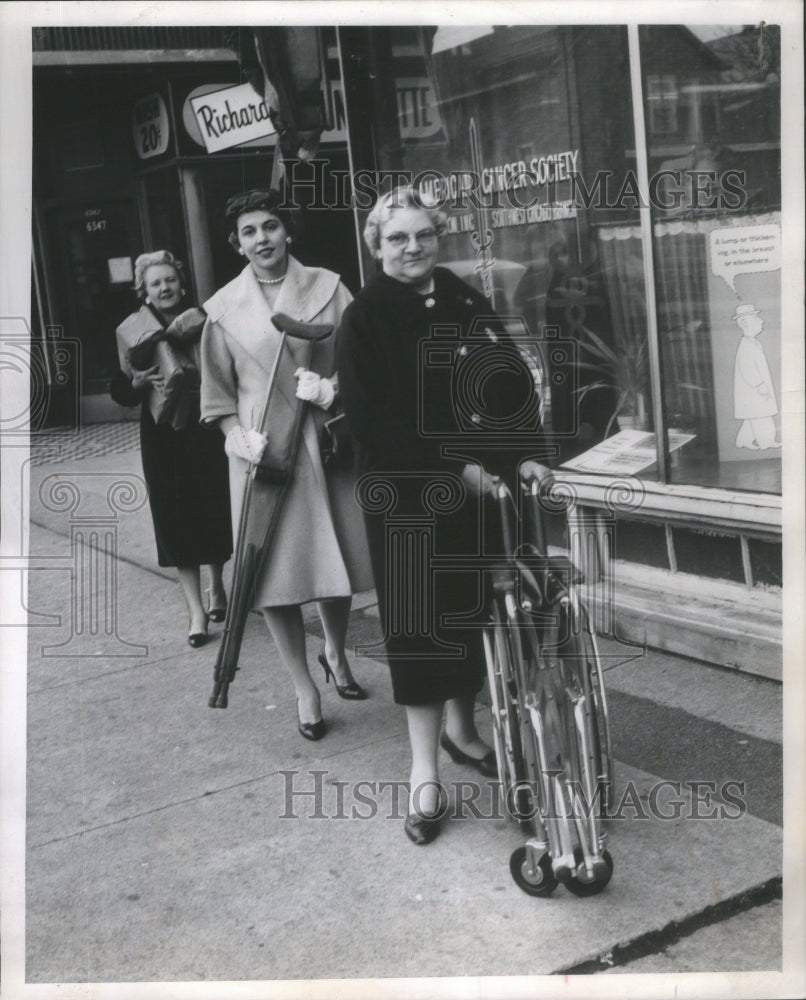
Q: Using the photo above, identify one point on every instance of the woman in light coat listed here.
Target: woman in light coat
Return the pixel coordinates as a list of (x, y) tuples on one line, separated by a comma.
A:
[(319, 551)]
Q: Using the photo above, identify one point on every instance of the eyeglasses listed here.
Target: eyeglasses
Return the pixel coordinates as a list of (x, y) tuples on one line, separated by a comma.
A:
[(400, 240)]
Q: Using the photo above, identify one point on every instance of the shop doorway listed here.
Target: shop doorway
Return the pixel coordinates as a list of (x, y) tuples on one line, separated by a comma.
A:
[(93, 250)]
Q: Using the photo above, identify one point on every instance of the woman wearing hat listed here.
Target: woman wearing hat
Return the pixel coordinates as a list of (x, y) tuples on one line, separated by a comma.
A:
[(319, 550)]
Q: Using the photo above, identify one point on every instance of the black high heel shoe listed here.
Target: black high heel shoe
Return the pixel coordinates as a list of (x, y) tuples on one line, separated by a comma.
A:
[(350, 692), (198, 639), (216, 614), (311, 730)]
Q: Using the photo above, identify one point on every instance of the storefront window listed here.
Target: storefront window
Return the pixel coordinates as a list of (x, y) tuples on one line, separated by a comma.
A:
[(713, 141), (525, 134)]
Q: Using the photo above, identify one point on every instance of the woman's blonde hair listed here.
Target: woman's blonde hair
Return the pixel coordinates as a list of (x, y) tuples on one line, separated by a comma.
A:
[(147, 260), (400, 197)]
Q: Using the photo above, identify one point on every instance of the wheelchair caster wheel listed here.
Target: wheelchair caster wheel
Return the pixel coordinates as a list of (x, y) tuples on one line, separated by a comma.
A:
[(600, 878), (535, 880)]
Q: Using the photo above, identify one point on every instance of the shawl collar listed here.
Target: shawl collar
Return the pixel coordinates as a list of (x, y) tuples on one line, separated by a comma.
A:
[(137, 327), (140, 324), (242, 310)]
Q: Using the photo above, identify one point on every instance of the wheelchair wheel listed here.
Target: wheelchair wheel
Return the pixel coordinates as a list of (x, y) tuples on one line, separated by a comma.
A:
[(537, 880), (601, 726), (501, 669), (579, 887), (579, 651)]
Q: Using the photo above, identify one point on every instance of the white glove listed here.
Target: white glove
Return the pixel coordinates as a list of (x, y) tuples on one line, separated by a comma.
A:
[(478, 482), (530, 470), (314, 389), (248, 445)]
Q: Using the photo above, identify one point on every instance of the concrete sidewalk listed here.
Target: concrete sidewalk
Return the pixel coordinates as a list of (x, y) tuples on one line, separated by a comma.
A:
[(169, 841)]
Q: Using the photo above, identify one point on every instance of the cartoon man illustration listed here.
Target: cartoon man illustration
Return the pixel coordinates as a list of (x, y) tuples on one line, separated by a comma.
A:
[(754, 401)]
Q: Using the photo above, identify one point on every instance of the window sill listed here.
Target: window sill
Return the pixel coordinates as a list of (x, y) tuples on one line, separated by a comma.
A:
[(759, 514)]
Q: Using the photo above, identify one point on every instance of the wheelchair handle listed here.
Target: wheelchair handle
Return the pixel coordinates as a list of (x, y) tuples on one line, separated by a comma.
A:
[(536, 515), (502, 495)]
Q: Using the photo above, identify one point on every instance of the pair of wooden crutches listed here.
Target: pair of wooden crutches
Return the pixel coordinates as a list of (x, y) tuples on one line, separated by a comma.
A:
[(267, 484)]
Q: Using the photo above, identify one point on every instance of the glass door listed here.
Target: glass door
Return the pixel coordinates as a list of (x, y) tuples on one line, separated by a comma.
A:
[(93, 250)]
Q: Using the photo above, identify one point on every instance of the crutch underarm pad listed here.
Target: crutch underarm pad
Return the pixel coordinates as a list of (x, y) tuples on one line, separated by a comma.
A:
[(302, 331)]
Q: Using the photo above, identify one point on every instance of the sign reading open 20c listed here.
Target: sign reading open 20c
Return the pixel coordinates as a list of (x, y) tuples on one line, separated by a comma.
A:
[(231, 116)]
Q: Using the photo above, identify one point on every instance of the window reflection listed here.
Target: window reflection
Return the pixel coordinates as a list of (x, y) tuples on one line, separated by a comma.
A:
[(527, 134), (717, 250)]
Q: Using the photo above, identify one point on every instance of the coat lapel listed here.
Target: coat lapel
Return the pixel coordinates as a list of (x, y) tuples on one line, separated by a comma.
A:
[(242, 310), (306, 291)]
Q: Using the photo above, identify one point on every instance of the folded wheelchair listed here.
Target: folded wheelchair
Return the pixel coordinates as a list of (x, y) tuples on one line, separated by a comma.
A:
[(549, 709)]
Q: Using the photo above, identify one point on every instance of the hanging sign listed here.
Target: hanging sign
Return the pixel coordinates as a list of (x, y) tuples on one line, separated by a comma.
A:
[(231, 116), (417, 114), (150, 126)]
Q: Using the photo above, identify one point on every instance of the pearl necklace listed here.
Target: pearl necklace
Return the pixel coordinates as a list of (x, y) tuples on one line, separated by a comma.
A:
[(271, 281)]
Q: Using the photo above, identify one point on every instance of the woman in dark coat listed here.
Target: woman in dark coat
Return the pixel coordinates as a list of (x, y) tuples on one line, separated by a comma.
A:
[(184, 464), (432, 387)]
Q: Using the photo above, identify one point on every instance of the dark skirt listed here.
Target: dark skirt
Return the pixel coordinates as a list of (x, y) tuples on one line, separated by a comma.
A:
[(420, 589), (187, 475)]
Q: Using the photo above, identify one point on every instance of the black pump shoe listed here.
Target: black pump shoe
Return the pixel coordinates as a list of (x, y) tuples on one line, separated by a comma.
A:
[(484, 765), (311, 730), (421, 830), (350, 692), (198, 639), (216, 614)]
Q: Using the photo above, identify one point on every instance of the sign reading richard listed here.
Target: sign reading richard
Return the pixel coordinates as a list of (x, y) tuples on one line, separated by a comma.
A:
[(231, 116)]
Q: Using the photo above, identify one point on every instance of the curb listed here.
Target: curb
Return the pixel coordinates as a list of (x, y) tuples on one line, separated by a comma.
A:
[(655, 941)]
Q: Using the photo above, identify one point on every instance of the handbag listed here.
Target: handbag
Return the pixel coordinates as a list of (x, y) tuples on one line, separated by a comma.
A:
[(173, 401)]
